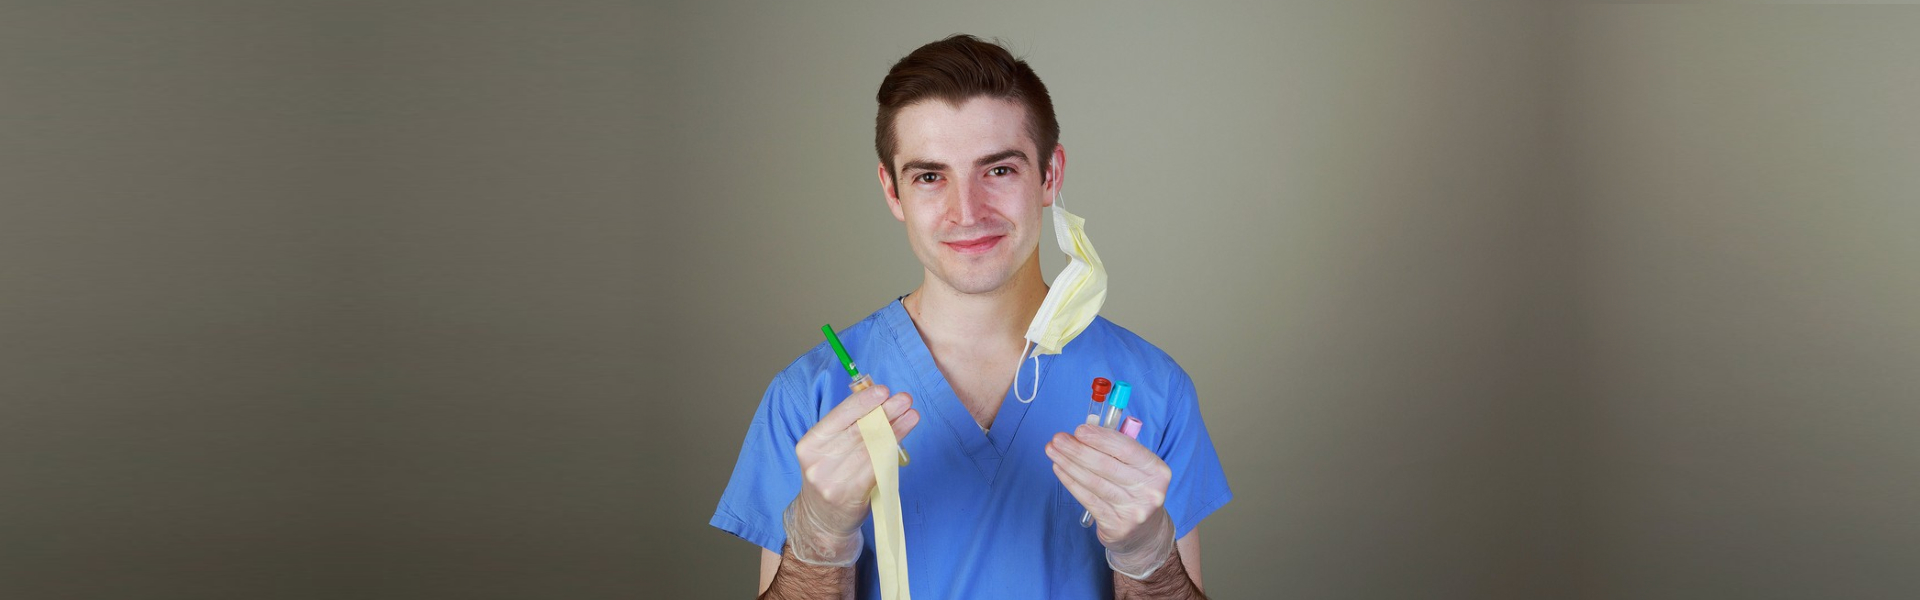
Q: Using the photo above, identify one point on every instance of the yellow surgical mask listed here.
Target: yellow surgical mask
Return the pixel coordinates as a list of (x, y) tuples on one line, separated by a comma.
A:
[(1072, 301)]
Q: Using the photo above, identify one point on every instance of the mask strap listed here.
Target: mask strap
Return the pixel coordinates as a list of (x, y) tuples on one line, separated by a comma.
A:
[(1036, 376)]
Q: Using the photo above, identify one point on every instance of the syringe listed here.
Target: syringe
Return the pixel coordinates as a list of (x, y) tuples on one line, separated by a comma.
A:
[(860, 380), (1116, 411)]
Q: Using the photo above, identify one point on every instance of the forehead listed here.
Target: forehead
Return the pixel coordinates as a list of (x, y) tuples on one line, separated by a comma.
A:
[(938, 131)]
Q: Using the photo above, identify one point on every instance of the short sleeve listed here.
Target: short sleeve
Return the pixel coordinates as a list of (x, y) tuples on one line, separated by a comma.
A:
[(1199, 484), (767, 475)]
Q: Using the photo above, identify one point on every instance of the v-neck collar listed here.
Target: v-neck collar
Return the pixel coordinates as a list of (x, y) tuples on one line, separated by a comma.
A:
[(938, 400)]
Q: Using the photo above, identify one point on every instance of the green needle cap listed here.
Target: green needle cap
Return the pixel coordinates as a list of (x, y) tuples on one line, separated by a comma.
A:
[(840, 350)]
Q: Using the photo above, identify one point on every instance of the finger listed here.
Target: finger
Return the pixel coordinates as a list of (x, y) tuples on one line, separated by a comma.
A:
[(904, 424), (1098, 484), (840, 467), (1115, 444), (894, 411), (896, 404), (1099, 507), (852, 408), (1069, 449), (850, 440)]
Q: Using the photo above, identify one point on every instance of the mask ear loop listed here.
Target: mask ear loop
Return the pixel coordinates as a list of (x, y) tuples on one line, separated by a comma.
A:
[(1057, 195), (1036, 376)]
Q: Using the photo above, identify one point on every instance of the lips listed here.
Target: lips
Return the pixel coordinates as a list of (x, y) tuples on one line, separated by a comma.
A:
[(977, 245)]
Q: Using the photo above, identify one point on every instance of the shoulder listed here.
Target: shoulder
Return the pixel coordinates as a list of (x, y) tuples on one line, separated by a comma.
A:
[(811, 365), (1121, 342), (806, 382), (1150, 371), (1163, 396)]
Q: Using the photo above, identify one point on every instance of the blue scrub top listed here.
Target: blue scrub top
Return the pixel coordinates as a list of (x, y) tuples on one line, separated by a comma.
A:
[(985, 516)]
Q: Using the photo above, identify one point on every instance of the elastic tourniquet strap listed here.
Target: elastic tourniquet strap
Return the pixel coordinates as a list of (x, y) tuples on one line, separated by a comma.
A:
[(889, 538)]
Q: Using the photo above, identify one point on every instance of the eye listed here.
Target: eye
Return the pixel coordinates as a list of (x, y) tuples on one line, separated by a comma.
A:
[(927, 177), (1001, 170)]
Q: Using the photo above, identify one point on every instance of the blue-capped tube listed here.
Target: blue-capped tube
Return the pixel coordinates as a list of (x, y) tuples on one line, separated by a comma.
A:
[(1117, 405)]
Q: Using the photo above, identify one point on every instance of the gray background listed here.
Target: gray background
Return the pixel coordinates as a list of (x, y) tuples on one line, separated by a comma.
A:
[(474, 299)]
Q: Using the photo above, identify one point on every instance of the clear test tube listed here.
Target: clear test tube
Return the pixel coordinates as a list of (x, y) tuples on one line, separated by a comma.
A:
[(860, 384), (1117, 407), (1115, 414), (1098, 405)]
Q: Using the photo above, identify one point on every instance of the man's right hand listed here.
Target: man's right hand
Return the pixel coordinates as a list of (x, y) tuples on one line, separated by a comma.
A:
[(823, 522)]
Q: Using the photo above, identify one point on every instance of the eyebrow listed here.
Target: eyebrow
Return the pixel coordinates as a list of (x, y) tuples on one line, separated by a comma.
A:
[(924, 165), (1000, 156), (928, 165)]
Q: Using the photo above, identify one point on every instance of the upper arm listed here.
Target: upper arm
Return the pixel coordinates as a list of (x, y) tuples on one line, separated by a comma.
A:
[(1199, 484), (1189, 548), (770, 564), (766, 477)]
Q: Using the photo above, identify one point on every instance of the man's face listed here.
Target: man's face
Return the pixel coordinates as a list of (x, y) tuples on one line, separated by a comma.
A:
[(970, 189)]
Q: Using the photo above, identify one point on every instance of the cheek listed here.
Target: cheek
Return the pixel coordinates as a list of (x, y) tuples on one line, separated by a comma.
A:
[(1020, 210), (923, 227)]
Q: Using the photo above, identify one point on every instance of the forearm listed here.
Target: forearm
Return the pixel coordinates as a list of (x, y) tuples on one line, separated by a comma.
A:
[(1169, 582), (797, 580)]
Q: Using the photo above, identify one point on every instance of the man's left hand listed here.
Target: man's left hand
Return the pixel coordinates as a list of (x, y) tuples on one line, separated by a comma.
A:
[(1124, 485)]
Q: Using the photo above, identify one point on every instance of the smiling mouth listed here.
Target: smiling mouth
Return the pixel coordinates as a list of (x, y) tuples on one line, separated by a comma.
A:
[(976, 245)]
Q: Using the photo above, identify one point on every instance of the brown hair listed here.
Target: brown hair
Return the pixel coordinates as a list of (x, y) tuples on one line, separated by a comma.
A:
[(957, 69)]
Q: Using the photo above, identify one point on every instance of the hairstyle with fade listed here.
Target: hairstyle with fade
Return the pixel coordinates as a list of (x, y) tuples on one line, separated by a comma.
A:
[(958, 69)]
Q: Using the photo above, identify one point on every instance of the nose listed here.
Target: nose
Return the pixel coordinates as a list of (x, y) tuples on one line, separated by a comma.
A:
[(970, 202)]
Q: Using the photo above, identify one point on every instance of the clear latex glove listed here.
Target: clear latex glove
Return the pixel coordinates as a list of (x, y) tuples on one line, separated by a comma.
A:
[(815, 540), (1143, 553), (823, 521), (1124, 486)]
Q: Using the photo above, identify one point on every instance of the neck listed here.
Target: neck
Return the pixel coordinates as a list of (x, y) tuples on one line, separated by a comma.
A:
[(948, 318)]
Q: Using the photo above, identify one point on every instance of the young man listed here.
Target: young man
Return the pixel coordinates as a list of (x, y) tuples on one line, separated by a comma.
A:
[(992, 499)]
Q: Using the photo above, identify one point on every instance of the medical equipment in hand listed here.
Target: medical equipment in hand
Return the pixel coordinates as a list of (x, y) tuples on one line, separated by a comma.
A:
[(1116, 411), (1098, 406), (860, 380), (889, 534), (1118, 407)]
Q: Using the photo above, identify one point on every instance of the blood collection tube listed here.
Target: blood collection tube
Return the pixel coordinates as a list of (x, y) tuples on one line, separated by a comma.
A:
[(1116, 409), (1116, 413), (1099, 404)]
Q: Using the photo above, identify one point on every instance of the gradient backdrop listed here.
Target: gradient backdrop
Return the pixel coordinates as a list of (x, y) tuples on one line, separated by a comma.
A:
[(403, 300)]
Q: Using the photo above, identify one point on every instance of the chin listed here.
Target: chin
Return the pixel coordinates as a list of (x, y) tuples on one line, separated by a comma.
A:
[(976, 281)]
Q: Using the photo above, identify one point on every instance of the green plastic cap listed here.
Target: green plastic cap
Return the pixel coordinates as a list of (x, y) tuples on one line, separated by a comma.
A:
[(839, 350)]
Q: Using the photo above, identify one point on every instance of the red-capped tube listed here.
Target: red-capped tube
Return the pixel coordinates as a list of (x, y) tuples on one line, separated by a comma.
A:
[(1098, 406)]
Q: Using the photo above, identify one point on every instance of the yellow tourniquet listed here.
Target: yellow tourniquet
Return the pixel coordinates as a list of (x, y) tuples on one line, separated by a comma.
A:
[(889, 538)]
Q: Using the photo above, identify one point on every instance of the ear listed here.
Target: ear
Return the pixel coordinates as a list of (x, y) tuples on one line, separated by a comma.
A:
[(1056, 171), (893, 197)]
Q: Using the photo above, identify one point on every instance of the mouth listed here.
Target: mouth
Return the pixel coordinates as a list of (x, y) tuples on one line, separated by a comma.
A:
[(978, 245)]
